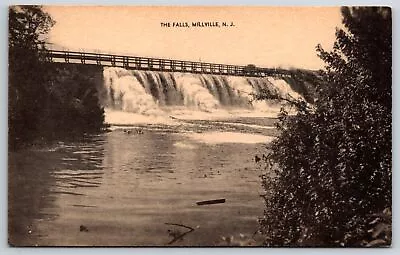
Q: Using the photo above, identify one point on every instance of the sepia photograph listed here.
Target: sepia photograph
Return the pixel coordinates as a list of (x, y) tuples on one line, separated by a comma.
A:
[(199, 126)]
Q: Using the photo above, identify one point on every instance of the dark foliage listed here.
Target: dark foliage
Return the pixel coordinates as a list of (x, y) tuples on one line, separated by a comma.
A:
[(44, 101), (27, 73), (329, 177), (72, 106)]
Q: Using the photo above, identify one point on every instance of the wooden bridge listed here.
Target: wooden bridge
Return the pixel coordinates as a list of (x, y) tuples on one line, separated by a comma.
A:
[(158, 64)]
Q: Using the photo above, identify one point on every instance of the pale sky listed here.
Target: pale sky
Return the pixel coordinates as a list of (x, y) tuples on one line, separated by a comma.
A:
[(264, 36)]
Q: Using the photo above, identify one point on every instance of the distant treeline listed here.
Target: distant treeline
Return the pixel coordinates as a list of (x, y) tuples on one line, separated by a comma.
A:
[(46, 100)]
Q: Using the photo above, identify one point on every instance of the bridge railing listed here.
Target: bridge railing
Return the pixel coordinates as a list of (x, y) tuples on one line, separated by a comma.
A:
[(154, 64)]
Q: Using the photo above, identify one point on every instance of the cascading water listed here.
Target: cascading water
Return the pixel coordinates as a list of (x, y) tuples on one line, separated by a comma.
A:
[(195, 94), (153, 93), (126, 93)]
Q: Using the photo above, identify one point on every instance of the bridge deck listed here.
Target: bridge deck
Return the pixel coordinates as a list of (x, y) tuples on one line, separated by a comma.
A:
[(157, 64)]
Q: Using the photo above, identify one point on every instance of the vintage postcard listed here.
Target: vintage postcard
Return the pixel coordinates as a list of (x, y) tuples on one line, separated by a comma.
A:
[(199, 126)]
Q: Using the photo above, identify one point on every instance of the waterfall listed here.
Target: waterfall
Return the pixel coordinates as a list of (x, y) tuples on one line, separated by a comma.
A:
[(149, 92), (126, 93)]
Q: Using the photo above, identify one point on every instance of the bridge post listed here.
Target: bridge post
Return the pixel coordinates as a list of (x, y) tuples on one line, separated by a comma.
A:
[(82, 57), (66, 57), (49, 56), (150, 63), (98, 62), (137, 63), (125, 62), (113, 60)]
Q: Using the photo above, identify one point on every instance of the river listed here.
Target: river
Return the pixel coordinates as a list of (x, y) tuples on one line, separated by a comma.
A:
[(134, 185)]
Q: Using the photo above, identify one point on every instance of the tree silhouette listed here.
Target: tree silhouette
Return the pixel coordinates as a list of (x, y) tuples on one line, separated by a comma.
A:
[(330, 167), (28, 73), (46, 100)]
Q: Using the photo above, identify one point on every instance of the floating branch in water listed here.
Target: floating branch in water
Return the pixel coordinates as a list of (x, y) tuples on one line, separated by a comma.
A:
[(83, 228), (177, 235), (210, 202)]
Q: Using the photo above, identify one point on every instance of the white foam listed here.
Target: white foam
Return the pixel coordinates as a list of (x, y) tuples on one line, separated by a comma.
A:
[(241, 87), (131, 102), (129, 118), (194, 94), (284, 88), (245, 125), (228, 137), (126, 93), (184, 145)]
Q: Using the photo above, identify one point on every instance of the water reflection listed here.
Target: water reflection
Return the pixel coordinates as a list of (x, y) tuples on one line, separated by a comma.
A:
[(121, 188), (40, 180), (28, 194)]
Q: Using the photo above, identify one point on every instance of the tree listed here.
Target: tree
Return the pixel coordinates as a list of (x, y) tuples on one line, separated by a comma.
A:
[(46, 100), (329, 180), (28, 73), (28, 25)]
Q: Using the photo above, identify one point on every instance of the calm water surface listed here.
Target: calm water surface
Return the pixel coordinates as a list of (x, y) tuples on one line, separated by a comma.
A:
[(123, 187)]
